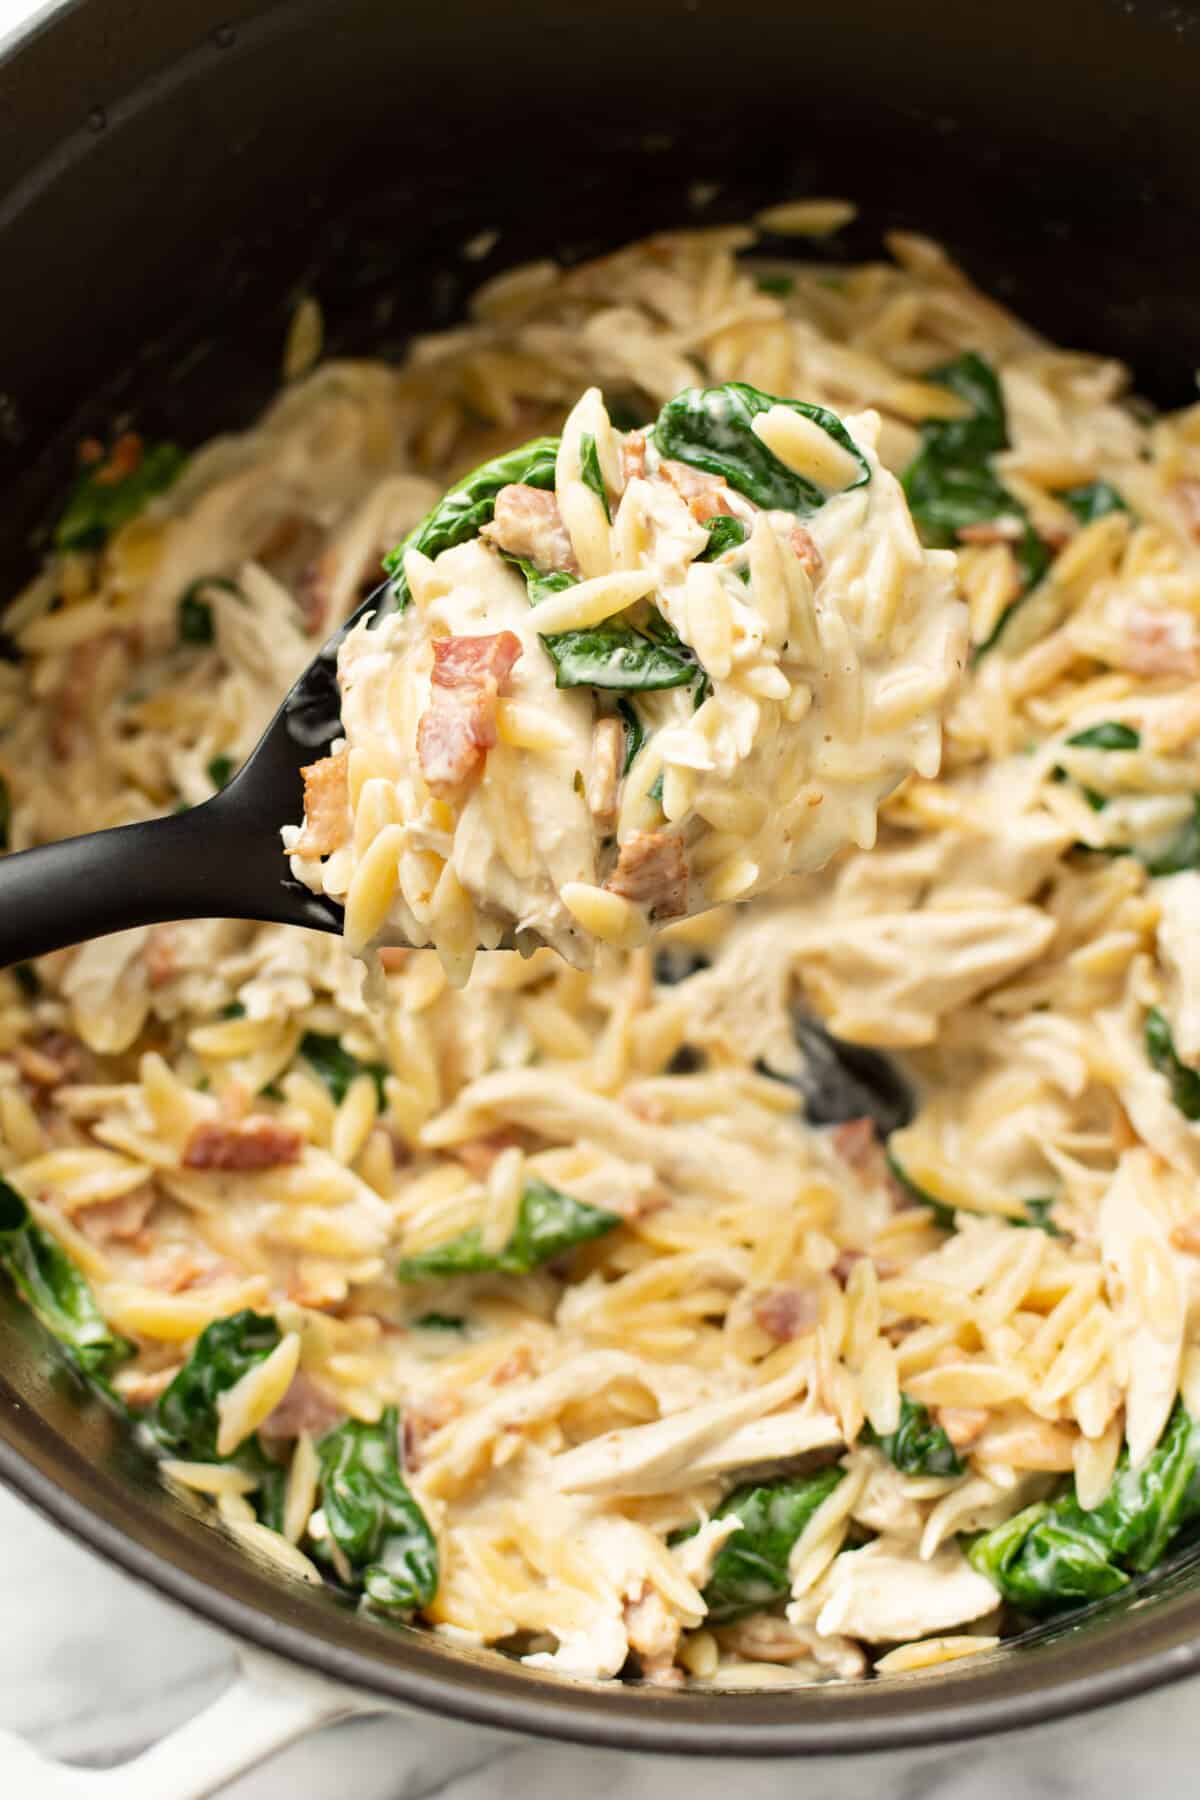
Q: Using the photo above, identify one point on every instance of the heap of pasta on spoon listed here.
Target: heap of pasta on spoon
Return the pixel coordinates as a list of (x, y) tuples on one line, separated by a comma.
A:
[(619, 677)]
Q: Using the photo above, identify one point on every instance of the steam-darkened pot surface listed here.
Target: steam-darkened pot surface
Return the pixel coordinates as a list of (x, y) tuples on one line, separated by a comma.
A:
[(177, 173)]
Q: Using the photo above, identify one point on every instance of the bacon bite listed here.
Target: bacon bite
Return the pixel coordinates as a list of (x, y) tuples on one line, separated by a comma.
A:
[(458, 727)]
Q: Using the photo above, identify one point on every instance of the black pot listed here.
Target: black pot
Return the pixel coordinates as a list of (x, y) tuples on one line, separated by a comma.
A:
[(176, 174)]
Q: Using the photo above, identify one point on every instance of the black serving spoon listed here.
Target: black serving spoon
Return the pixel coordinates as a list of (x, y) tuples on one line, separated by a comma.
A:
[(220, 860)]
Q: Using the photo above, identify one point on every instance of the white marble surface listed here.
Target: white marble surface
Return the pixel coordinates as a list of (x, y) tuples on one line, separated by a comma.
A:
[(94, 1667)]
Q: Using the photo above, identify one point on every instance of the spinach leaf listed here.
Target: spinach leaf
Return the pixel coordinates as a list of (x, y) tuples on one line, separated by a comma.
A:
[(1160, 1048), (618, 657), (635, 733), (372, 1517), (775, 284), (185, 1418), (195, 615), (55, 1292), (1038, 1211), (917, 1446), (1092, 500), (1109, 735), (548, 1225), (219, 770), (711, 429), (1183, 852), (943, 1215), (724, 533), (590, 473), (1055, 1554), (5, 814), (750, 1571), (537, 585), (468, 506), (438, 1321), (950, 482), (337, 1068), (655, 790), (98, 506)]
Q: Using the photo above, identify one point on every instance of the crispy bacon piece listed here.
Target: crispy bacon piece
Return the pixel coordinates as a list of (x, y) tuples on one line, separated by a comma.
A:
[(51, 1058), (305, 1407), (161, 945), (604, 775), (326, 806), (786, 1313), (527, 523), (458, 727), (1159, 641), (855, 1142), (633, 456), (706, 495), (806, 551), (652, 870), (124, 457), (256, 1143), (1185, 492)]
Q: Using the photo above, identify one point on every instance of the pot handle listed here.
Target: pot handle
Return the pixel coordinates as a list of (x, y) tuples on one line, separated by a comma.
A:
[(266, 1707)]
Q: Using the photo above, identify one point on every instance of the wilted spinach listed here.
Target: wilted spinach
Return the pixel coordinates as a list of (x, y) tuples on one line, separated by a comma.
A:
[(539, 585), (943, 1215), (712, 429), (548, 1224), (1111, 734), (724, 533), (98, 506), (616, 656), (372, 1517), (337, 1068), (750, 1570), (468, 506), (185, 1420), (1092, 500), (1038, 1212), (1055, 1554), (590, 471), (54, 1290), (195, 615), (635, 733), (950, 483), (1184, 1083), (220, 770), (1183, 851), (917, 1446)]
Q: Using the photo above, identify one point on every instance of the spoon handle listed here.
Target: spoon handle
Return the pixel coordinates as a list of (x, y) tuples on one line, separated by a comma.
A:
[(199, 864)]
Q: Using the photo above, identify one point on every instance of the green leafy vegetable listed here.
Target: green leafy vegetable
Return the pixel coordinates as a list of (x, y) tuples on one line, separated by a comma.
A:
[(1110, 735), (372, 1517), (468, 506), (750, 1571), (1093, 500), (537, 585), (618, 657), (943, 1215), (5, 814), (655, 790), (775, 284), (548, 1225), (590, 472), (1183, 852), (712, 429), (1055, 1554), (185, 1419), (635, 733), (917, 1446), (950, 483), (437, 1321), (195, 614), (337, 1068), (220, 769), (724, 533), (1160, 1048), (99, 506), (54, 1291), (1038, 1211)]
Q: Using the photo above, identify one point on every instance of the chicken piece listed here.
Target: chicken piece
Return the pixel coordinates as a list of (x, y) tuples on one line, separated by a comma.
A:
[(764, 1638), (653, 1632), (652, 871), (51, 1059), (528, 524), (604, 775), (1159, 641), (118, 1221), (255, 1143), (326, 806), (884, 1595), (458, 728)]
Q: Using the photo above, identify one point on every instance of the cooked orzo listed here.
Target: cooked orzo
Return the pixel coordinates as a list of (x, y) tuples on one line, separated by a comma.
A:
[(627, 1319)]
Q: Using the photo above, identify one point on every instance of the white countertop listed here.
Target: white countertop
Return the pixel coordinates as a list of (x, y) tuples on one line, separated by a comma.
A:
[(93, 1667)]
